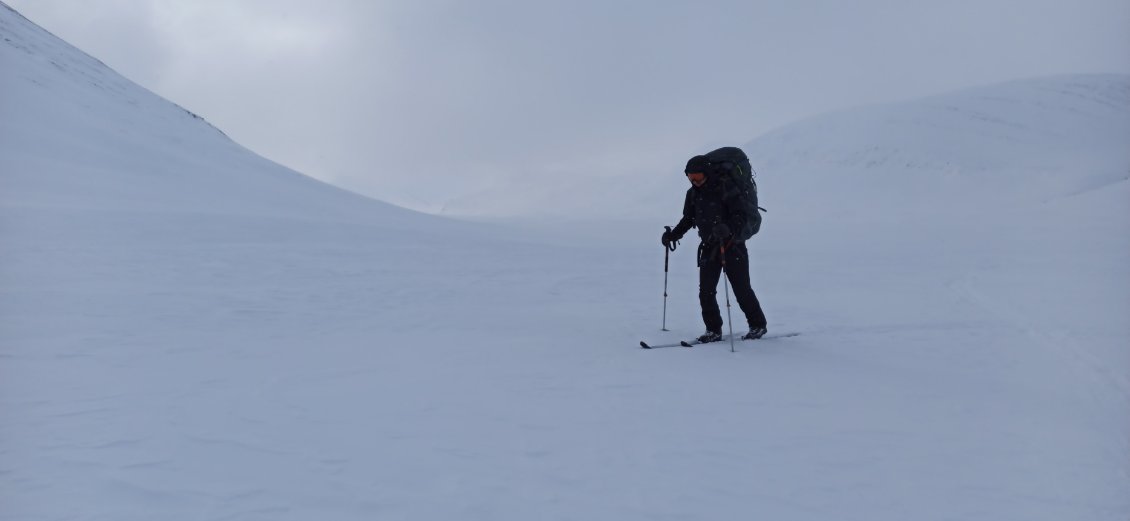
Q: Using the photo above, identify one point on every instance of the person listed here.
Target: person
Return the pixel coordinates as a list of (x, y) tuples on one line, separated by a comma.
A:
[(715, 211)]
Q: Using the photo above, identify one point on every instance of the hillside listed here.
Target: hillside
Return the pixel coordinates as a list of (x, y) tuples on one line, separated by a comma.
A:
[(77, 134), (985, 148), (1017, 142)]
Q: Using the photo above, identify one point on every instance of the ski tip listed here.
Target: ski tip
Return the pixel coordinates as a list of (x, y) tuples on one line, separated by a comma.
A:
[(684, 343), (644, 345)]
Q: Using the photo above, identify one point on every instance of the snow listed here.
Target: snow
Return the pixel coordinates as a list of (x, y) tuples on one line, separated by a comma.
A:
[(188, 331)]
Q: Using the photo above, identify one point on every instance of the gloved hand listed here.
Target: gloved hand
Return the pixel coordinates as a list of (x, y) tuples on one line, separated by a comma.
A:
[(669, 237), (721, 232)]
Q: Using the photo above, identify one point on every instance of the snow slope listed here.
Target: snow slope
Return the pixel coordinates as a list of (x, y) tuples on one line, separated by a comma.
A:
[(982, 148), (138, 151), (188, 331), (1012, 142)]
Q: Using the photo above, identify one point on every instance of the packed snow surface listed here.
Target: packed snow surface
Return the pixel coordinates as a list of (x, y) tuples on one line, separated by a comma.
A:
[(191, 332)]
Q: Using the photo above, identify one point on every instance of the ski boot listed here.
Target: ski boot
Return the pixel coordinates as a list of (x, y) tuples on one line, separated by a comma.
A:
[(709, 336), (755, 333)]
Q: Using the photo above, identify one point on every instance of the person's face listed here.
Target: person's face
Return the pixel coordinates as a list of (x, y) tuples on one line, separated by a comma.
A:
[(697, 178)]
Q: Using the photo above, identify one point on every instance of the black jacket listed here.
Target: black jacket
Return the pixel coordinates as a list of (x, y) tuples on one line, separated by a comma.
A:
[(709, 204)]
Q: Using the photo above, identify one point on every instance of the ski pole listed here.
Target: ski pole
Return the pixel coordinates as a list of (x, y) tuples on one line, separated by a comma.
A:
[(666, 265), (726, 284)]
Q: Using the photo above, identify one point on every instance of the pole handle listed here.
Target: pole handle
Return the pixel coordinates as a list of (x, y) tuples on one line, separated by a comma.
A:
[(673, 244)]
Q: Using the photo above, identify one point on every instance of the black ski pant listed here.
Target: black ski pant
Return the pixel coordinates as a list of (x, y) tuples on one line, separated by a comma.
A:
[(737, 271)]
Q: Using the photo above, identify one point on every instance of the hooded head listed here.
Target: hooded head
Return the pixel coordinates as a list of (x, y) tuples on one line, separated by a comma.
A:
[(696, 170)]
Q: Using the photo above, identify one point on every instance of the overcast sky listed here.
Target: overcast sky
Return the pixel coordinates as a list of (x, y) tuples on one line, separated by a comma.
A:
[(416, 101)]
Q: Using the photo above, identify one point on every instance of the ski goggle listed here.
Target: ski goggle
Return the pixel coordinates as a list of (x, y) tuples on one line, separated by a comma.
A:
[(696, 178)]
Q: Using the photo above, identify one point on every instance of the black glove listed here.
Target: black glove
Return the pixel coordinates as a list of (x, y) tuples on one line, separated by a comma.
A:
[(721, 232), (669, 237)]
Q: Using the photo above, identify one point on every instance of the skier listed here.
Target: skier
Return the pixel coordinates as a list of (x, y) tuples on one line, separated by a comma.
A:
[(717, 213)]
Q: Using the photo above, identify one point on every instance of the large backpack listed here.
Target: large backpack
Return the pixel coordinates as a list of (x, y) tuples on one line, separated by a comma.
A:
[(732, 166)]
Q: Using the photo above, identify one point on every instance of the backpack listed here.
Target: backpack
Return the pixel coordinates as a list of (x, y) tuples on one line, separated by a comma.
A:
[(732, 166)]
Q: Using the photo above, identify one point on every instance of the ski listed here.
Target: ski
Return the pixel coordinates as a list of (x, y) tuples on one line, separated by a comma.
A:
[(678, 344), (725, 338), (692, 343), (646, 345)]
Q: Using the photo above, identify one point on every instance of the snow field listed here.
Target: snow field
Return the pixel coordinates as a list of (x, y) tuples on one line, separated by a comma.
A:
[(188, 331)]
